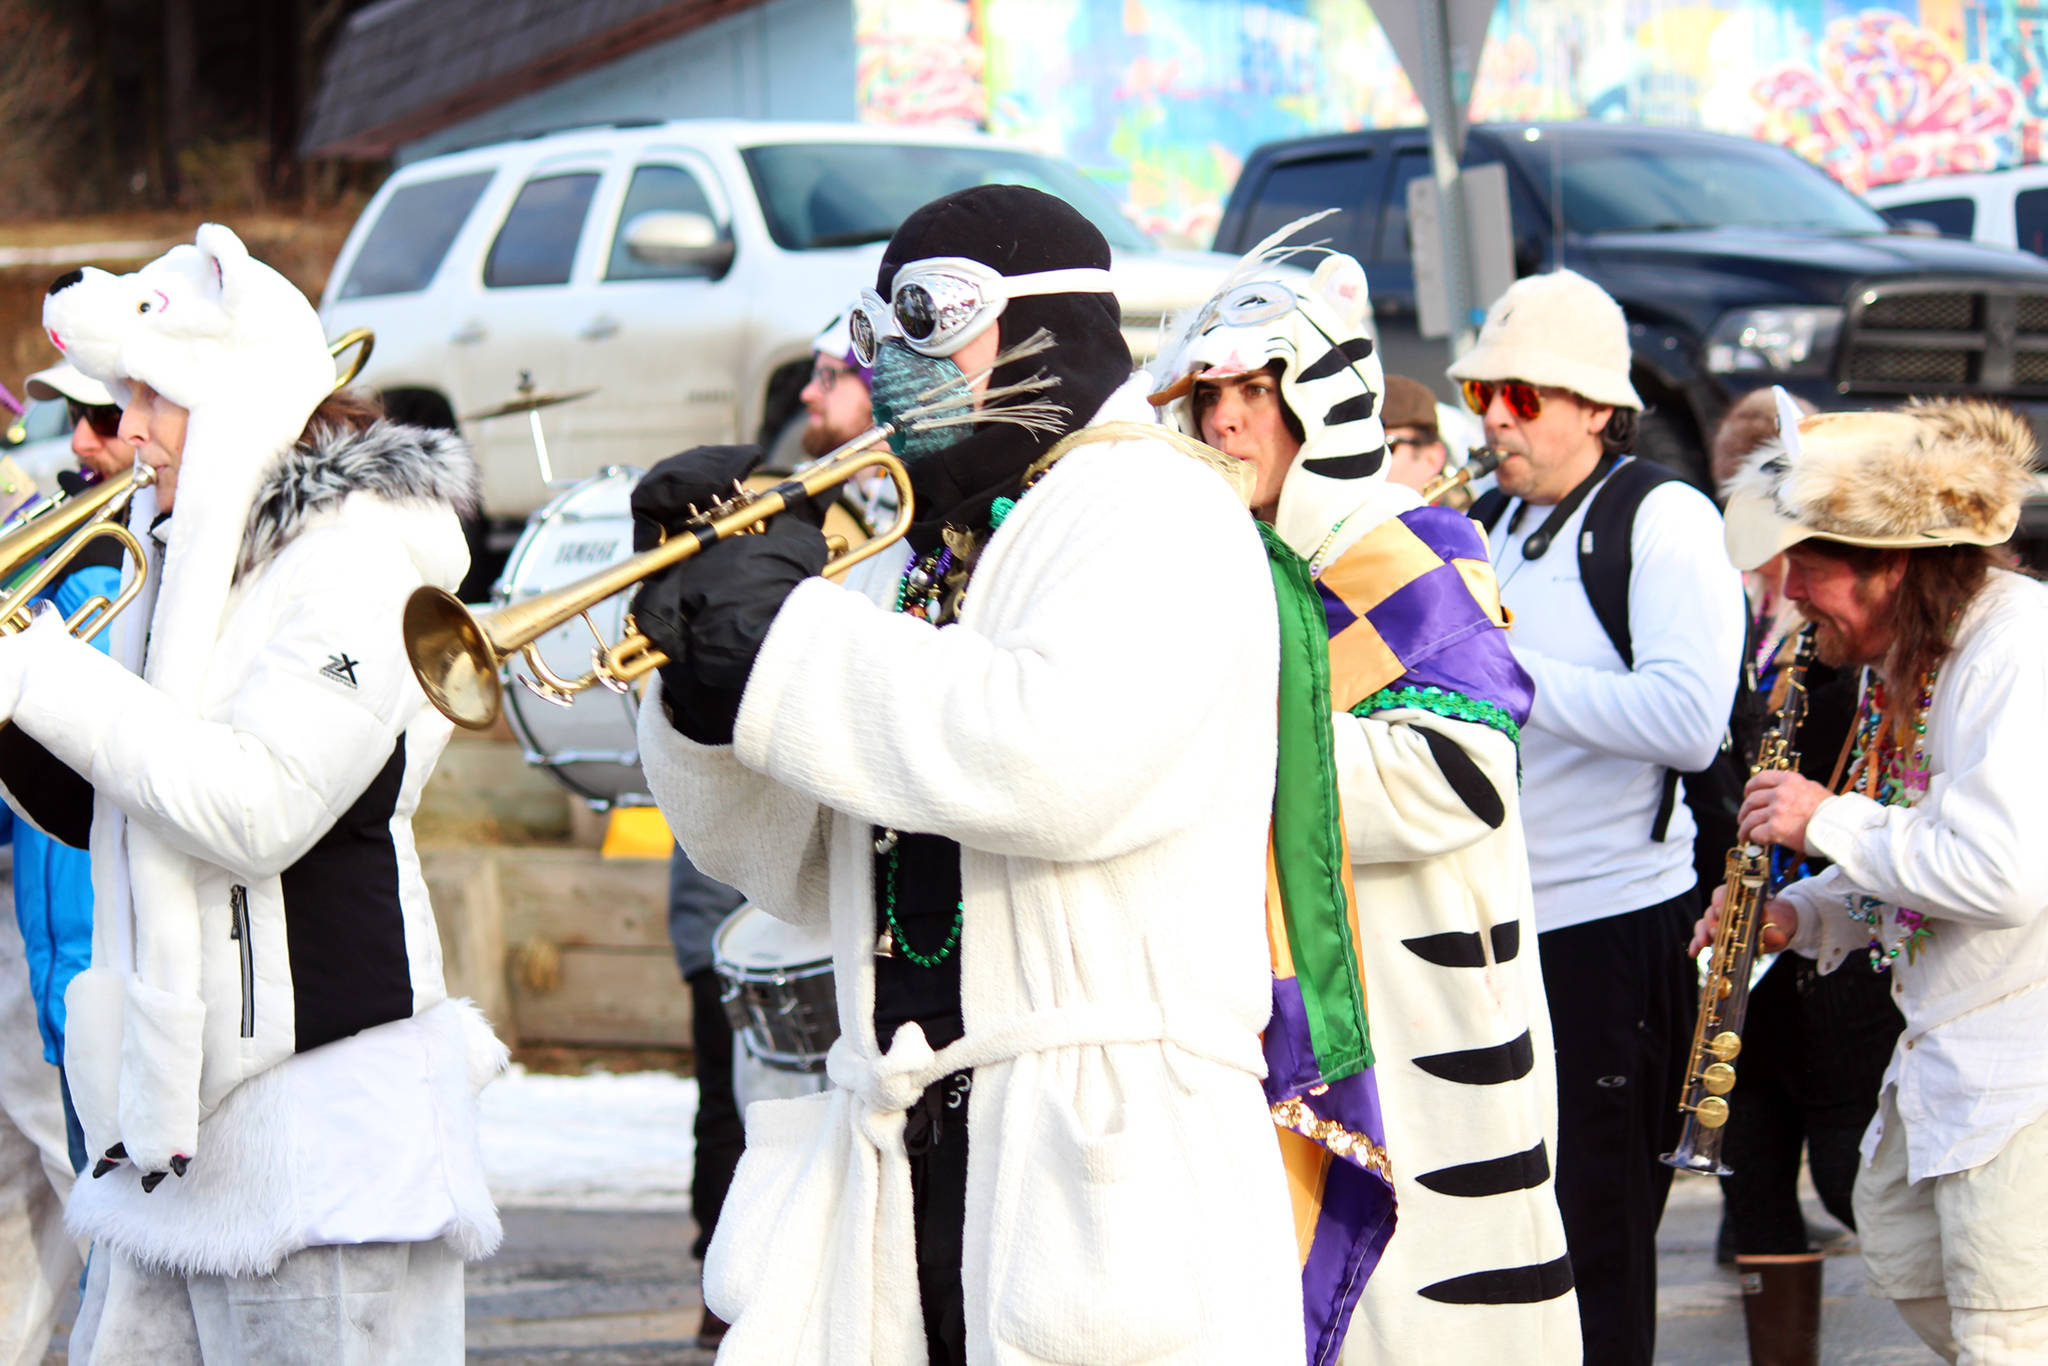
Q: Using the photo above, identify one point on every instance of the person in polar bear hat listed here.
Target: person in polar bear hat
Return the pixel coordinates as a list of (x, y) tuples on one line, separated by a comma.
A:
[(278, 1096)]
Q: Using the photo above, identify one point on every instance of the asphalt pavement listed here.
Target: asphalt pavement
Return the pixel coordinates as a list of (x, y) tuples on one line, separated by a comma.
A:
[(608, 1288)]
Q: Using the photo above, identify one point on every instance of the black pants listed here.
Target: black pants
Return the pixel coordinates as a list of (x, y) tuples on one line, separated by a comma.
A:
[(1814, 1050), (1622, 1001), (935, 1137), (720, 1136)]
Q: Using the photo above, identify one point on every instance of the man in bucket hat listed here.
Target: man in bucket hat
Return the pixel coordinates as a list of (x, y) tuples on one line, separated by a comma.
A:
[(1629, 619), (1892, 525)]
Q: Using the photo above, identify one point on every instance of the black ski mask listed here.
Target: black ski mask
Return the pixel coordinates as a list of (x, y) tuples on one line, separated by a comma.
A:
[(1016, 231)]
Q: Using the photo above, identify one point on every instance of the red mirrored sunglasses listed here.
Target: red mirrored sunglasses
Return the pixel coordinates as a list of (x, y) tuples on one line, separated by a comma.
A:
[(104, 417), (1525, 400)]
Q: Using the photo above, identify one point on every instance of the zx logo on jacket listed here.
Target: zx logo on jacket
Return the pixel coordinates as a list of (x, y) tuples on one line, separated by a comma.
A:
[(340, 668)]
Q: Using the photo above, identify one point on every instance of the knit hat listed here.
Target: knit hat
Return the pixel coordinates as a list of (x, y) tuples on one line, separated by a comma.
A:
[(1014, 230), (1559, 329), (1408, 403), (1934, 473)]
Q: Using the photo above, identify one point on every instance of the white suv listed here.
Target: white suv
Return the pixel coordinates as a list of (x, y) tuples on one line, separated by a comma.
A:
[(681, 269)]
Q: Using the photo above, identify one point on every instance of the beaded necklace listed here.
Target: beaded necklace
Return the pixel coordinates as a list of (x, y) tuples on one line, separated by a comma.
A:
[(921, 594), (1888, 764)]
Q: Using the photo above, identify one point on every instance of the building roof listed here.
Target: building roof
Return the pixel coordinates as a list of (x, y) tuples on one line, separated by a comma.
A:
[(404, 68)]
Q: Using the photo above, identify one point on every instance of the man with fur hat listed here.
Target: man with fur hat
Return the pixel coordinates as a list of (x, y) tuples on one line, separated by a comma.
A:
[(1893, 526), (1624, 703), (1022, 770), (278, 1096), (1423, 706)]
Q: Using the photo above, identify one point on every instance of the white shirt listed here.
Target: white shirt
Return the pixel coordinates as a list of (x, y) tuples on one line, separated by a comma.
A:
[(1601, 735), (1970, 1070)]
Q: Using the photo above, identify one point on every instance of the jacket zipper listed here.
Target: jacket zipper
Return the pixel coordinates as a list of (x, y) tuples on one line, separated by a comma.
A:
[(238, 902)]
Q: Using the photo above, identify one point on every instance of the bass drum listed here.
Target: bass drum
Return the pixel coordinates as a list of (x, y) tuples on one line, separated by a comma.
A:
[(591, 746)]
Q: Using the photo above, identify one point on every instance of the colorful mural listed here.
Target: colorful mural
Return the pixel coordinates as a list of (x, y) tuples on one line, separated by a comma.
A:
[(1162, 99)]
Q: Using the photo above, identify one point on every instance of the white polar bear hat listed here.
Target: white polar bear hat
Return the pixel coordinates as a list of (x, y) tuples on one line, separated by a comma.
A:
[(235, 344)]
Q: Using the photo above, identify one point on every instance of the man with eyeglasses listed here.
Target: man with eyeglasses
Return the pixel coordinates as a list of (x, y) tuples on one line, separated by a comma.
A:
[(1022, 768), (1610, 849), (95, 418)]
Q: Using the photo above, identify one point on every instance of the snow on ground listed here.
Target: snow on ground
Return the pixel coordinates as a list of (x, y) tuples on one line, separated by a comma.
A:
[(602, 1141)]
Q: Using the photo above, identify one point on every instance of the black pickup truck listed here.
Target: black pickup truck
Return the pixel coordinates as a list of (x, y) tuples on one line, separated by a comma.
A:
[(1738, 264)]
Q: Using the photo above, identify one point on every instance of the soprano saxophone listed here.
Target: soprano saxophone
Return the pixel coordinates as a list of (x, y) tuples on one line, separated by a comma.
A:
[(1724, 998)]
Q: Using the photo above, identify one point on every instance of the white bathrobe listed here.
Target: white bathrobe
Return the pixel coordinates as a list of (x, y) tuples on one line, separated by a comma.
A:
[(1097, 733)]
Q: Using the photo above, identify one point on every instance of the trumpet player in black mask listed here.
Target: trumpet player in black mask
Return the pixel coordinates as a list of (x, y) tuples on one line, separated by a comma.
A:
[(1023, 767)]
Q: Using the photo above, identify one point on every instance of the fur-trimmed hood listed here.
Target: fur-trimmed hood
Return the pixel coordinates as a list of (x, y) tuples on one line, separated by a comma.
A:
[(1938, 472), (387, 459)]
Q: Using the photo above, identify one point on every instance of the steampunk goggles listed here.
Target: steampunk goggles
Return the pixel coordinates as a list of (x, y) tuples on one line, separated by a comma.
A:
[(940, 304)]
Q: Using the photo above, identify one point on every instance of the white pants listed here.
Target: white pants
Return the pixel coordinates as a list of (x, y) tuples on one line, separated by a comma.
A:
[(38, 1259), (364, 1304), (1964, 1256)]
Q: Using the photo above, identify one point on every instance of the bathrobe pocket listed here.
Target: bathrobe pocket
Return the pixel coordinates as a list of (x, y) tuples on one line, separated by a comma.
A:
[(1103, 1272), (773, 1228)]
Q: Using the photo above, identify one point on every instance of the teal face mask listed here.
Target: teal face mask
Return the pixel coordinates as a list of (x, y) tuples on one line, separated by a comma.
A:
[(904, 380)]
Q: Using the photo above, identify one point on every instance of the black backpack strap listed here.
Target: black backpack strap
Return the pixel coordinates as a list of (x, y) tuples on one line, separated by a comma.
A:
[(1487, 511), (1607, 554), (1607, 559)]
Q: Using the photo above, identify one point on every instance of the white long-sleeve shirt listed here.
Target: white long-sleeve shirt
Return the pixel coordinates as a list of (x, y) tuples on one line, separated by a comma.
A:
[(1969, 1069), (1601, 735)]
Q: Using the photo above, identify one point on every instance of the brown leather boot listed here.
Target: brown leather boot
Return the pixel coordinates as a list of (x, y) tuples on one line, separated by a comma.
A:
[(1781, 1305)]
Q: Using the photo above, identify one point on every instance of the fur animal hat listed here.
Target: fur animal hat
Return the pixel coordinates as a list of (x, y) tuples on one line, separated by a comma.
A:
[(1315, 326), (241, 350), (1947, 472)]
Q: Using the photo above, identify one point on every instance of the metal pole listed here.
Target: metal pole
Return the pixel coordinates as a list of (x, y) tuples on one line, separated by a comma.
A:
[(1446, 143)]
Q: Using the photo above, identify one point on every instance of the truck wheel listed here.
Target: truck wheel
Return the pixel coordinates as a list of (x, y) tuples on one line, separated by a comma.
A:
[(1668, 438)]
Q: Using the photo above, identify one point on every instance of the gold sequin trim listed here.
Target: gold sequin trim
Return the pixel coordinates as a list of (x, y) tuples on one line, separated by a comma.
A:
[(1294, 1114)]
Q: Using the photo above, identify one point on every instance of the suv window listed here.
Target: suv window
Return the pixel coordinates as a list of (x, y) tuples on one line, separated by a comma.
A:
[(1295, 188), (658, 189), (841, 194), (2030, 221), (1955, 217), (537, 244), (410, 237)]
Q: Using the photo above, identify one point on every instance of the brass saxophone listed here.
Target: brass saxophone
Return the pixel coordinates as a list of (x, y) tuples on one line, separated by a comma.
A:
[(1724, 999)]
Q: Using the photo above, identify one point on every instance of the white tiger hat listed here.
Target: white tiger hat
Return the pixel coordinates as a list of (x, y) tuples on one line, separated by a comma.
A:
[(1330, 377)]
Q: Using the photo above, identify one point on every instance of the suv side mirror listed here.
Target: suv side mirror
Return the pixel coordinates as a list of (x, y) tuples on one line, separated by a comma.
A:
[(673, 239)]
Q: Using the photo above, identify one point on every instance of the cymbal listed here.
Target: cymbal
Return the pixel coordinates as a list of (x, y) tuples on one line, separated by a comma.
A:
[(527, 403)]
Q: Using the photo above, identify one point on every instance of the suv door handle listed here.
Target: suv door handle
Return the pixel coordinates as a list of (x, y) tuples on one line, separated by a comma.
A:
[(598, 328), (468, 334)]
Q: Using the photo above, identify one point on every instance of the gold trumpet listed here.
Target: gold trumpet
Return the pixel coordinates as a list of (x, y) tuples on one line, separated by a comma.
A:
[(58, 536), (457, 654), (1480, 461)]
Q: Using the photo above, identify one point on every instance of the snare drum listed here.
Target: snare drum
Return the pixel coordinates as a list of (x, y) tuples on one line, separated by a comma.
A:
[(776, 982), (591, 746)]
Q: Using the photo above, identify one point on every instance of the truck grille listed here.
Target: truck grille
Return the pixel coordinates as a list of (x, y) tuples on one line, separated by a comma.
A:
[(1946, 338)]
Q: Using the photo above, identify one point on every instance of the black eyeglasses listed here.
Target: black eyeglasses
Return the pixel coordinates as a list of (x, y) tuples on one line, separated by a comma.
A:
[(104, 417)]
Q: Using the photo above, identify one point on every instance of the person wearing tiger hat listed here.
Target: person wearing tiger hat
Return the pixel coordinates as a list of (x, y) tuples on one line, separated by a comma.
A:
[(1425, 703)]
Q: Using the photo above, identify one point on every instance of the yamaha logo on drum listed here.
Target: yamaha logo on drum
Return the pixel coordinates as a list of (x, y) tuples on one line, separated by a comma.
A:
[(598, 553)]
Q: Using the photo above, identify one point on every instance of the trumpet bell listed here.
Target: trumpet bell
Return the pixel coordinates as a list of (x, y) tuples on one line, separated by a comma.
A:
[(452, 658)]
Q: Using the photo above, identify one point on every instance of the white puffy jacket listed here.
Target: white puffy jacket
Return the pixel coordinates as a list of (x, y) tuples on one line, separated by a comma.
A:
[(292, 793)]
